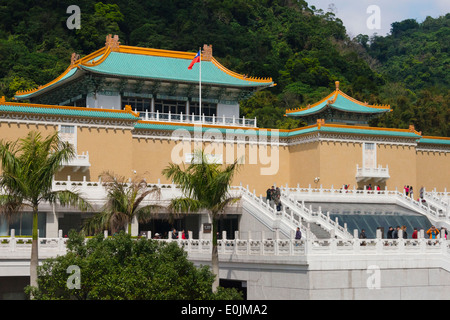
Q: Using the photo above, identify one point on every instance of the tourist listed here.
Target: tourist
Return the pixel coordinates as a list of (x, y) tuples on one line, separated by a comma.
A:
[(298, 234), (395, 232), (415, 234), (183, 235), (363, 234), (346, 187), (444, 232), (411, 192), (269, 194), (433, 232), (389, 233), (421, 193), (404, 234), (277, 198), (174, 234), (406, 188)]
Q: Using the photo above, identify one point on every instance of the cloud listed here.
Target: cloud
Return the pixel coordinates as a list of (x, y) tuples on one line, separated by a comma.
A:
[(358, 19)]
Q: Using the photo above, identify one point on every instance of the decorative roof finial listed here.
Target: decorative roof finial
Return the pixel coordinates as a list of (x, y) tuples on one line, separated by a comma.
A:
[(74, 58), (320, 122), (337, 85), (112, 42), (207, 52)]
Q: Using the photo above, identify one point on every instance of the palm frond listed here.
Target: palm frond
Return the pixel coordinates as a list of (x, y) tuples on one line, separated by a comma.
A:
[(69, 198), (145, 214), (185, 205)]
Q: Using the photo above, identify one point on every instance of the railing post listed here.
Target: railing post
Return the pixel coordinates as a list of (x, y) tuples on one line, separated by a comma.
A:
[(12, 241), (60, 240), (379, 243)]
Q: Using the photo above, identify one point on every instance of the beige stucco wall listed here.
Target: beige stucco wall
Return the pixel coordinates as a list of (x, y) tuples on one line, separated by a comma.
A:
[(122, 152), (338, 162), (433, 170), (305, 164), (109, 149), (14, 131), (260, 167), (401, 160)]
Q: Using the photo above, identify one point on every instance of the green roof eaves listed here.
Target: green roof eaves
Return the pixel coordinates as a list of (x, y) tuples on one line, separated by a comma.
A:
[(68, 112), (435, 141)]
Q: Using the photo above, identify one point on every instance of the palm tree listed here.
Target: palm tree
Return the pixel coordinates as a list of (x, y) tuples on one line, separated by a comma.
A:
[(28, 167), (205, 187), (123, 204)]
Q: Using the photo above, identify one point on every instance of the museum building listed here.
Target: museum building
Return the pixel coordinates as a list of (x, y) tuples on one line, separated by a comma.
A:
[(132, 111)]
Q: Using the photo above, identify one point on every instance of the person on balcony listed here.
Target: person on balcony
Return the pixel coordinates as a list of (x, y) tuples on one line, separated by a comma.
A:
[(433, 232)]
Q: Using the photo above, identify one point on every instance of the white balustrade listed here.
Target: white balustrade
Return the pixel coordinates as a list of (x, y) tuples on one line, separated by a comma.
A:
[(213, 120), (259, 247)]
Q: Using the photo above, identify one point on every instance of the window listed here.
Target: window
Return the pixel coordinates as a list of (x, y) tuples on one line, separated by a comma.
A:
[(68, 134), (369, 155), (172, 106), (138, 104), (67, 129), (208, 109)]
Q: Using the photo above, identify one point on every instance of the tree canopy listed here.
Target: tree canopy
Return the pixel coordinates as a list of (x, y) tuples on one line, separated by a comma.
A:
[(120, 268), (302, 48)]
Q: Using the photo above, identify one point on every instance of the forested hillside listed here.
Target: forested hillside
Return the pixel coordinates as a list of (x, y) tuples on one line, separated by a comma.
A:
[(303, 49)]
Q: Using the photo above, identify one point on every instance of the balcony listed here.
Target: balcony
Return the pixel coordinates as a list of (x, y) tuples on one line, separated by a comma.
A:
[(212, 120), (377, 174), (79, 162)]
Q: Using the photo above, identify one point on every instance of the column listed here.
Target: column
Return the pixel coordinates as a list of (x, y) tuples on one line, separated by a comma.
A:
[(51, 224)]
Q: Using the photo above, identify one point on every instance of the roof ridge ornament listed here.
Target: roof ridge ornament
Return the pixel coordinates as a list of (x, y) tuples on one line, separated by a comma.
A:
[(320, 122), (207, 52), (75, 56), (112, 42), (337, 85)]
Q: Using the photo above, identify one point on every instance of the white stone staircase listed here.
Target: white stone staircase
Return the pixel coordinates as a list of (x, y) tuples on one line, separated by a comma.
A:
[(284, 222)]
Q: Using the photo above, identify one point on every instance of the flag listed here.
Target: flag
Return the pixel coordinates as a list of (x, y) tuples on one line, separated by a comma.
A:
[(195, 60)]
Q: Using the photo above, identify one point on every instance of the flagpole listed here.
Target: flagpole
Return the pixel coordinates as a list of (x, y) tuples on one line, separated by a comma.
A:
[(200, 87)]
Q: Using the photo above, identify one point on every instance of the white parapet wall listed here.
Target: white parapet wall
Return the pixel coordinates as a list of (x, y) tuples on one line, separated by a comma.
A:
[(299, 269)]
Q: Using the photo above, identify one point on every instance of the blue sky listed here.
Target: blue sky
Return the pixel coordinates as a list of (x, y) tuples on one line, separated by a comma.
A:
[(355, 15)]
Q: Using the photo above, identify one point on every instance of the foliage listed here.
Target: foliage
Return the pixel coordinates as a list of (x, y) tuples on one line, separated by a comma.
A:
[(302, 48), (28, 167), (123, 203), (205, 186), (120, 268)]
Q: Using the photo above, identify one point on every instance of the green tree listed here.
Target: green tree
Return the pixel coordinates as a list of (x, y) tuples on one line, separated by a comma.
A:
[(205, 186), (28, 167), (120, 268), (123, 203)]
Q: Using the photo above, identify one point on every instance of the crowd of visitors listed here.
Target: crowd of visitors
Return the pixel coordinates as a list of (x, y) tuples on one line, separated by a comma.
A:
[(274, 194), (431, 233), (175, 234), (409, 191)]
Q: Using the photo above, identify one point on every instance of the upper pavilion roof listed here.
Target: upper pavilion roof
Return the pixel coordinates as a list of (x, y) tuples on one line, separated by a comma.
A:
[(340, 101), (149, 64)]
